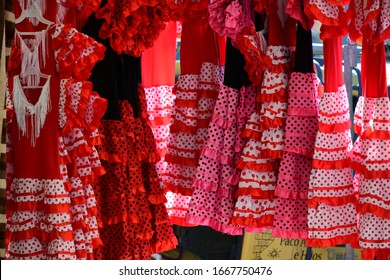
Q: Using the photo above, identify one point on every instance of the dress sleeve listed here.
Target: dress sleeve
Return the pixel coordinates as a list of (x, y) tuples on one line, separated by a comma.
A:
[(75, 53)]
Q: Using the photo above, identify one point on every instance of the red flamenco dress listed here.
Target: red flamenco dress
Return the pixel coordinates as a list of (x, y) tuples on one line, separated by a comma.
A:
[(48, 59), (290, 220), (51, 209), (372, 115), (158, 79), (255, 206), (332, 197), (197, 88), (132, 218)]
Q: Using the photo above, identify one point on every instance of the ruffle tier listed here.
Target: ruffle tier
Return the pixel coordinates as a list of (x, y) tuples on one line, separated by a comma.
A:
[(212, 202), (371, 163), (332, 197)]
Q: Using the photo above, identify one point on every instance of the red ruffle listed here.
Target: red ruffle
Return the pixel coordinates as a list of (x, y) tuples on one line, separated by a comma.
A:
[(180, 222), (227, 229), (70, 62), (164, 246), (272, 154), (38, 205), (291, 234), (332, 242), (279, 96), (178, 189), (334, 128), (157, 199), (364, 208), (122, 218), (40, 234), (251, 134), (256, 193), (329, 165), (112, 157), (333, 201), (259, 167), (314, 13), (264, 221), (375, 254), (181, 160)]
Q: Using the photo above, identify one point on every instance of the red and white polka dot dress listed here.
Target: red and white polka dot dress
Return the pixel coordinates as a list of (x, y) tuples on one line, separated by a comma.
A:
[(197, 88), (332, 197), (372, 118), (255, 206), (51, 208)]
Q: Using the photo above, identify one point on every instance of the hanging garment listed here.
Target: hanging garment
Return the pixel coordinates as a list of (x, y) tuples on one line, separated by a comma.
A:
[(260, 159), (332, 198), (51, 209), (132, 219), (290, 220), (201, 63), (212, 203), (372, 116)]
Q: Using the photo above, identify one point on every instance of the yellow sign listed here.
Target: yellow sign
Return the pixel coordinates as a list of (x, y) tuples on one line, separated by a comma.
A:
[(263, 246)]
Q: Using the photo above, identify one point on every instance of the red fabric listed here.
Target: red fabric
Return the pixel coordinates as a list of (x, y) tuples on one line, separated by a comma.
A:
[(37, 164), (333, 62), (193, 52), (374, 58), (158, 62)]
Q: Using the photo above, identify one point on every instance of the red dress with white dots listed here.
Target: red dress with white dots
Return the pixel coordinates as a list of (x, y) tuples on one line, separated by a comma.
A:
[(371, 155), (197, 88), (332, 198), (51, 208)]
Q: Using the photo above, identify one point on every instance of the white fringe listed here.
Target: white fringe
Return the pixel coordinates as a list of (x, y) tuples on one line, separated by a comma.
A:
[(25, 110), (33, 56)]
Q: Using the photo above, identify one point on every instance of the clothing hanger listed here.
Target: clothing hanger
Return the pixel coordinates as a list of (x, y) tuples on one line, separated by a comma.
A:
[(32, 12), (37, 73)]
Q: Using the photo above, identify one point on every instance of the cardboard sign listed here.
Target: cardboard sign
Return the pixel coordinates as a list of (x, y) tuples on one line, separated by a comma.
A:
[(263, 246)]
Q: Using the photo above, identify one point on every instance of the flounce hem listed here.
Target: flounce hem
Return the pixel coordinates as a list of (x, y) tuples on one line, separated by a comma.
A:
[(227, 229), (290, 234), (364, 208), (332, 242), (259, 167), (164, 246), (263, 222), (333, 201)]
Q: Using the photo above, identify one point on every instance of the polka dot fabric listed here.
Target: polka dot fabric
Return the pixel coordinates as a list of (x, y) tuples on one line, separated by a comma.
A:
[(129, 195), (212, 203), (373, 23), (332, 198), (194, 104), (331, 14), (372, 118), (261, 155)]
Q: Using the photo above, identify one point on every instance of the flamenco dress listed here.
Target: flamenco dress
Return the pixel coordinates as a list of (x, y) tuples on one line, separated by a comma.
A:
[(371, 119), (290, 220), (201, 63), (259, 162), (132, 218)]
